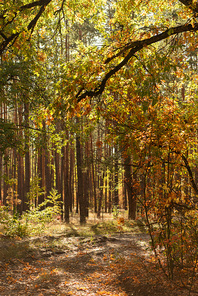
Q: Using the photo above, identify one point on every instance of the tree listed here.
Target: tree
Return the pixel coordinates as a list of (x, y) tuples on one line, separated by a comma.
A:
[(139, 80), (12, 29)]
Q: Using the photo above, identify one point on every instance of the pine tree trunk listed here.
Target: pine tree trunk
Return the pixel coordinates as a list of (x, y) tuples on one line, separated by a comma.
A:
[(71, 178), (105, 194), (58, 180), (80, 181), (101, 184), (41, 173), (1, 174), (20, 169), (93, 177), (130, 189), (86, 178), (116, 169), (66, 185), (25, 203)]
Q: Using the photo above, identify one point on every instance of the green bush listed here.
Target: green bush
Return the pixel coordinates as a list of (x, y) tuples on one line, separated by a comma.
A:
[(32, 221)]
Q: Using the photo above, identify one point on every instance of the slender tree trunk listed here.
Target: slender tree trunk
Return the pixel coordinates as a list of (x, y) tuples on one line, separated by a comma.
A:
[(100, 172), (124, 195), (105, 175), (20, 170), (105, 193), (5, 185), (58, 179), (71, 178), (1, 164), (110, 185), (66, 185), (130, 189), (86, 178), (47, 174), (93, 176), (101, 184), (80, 194), (25, 204), (116, 168), (48, 180), (41, 173), (57, 169)]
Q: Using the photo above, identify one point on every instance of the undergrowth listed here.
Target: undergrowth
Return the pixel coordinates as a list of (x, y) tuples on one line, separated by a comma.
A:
[(32, 222)]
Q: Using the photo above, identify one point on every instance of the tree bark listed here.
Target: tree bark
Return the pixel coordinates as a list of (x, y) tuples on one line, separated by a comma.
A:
[(26, 201), (130, 189), (80, 192)]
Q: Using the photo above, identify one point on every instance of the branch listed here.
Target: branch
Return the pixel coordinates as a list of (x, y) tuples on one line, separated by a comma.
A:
[(32, 24), (133, 48), (7, 41), (193, 5), (34, 4), (42, 4), (192, 181)]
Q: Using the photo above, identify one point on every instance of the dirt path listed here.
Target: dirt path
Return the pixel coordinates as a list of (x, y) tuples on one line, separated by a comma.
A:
[(57, 265)]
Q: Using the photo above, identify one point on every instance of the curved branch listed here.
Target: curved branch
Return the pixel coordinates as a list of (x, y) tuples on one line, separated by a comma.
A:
[(32, 24), (133, 47), (193, 5), (192, 181), (8, 40), (34, 4)]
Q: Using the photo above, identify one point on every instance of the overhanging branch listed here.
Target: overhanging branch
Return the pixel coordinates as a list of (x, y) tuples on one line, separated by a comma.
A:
[(32, 24), (42, 4), (193, 5), (133, 48), (34, 4)]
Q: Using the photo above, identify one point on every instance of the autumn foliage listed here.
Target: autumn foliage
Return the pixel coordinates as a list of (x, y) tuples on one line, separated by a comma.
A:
[(99, 103)]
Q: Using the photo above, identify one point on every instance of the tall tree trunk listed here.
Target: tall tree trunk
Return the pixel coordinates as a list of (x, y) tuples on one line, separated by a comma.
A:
[(58, 179), (20, 170), (101, 184), (100, 172), (5, 185), (41, 173), (131, 192), (71, 178), (124, 190), (1, 162), (116, 169), (105, 193), (66, 185), (93, 176), (80, 192), (48, 180), (62, 176), (86, 178), (47, 175), (1, 175), (25, 203), (110, 184)]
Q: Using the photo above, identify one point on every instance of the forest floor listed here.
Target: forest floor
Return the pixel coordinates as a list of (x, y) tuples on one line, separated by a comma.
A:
[(67, 263)]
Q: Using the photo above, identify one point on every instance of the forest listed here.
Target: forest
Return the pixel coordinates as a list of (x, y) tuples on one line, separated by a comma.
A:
[(99, 116)]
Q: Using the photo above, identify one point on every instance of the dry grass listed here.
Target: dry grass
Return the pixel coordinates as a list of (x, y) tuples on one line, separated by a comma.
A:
[(54, 234), (106, 225)]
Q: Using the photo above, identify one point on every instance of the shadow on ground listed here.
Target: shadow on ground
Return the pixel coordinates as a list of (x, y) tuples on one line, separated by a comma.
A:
[(98, 265)]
